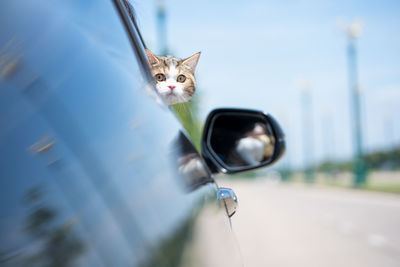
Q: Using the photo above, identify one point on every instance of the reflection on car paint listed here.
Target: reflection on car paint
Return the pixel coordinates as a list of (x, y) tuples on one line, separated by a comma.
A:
[(190, 166), (45, 143), (9, 58), (69, 195)]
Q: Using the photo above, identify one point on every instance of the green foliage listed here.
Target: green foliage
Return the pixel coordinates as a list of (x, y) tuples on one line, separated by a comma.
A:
[(387, 159), (188, 114), (245, 175), (286, 174), (335, 166), (389, 188), (61, 246)]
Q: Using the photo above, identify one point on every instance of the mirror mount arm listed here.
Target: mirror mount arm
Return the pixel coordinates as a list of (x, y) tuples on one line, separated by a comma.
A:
[(229, 199)]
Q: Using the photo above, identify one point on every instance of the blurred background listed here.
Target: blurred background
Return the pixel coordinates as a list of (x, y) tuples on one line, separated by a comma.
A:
[(329, 71)]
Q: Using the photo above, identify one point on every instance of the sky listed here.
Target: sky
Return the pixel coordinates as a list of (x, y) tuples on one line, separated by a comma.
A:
[(261, 54)]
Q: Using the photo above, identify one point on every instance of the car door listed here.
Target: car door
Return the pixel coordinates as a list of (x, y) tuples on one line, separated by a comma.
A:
[(95, 170)]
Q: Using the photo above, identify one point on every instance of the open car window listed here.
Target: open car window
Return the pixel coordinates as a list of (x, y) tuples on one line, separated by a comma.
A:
[(127, 13)]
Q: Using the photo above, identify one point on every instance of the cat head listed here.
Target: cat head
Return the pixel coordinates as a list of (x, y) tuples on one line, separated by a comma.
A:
[(174, 76)]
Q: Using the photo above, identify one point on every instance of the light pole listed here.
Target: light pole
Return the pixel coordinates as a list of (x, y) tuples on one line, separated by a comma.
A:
[(328, 135), (162, 28), (286, 171), (308, 136), (360, 173)]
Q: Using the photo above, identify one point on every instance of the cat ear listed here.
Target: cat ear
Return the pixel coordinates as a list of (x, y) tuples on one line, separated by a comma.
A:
[(152, 58), (192, 61)]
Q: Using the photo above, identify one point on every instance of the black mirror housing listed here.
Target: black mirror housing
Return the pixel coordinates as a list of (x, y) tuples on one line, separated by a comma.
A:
[(238, 140)]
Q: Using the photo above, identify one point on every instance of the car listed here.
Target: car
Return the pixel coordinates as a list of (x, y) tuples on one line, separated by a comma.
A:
[(95, 169)]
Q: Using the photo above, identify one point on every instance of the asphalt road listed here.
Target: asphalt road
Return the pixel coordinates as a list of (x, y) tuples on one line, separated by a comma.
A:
[(300, 225)]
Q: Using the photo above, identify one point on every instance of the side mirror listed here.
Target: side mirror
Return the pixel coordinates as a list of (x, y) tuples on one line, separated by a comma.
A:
[(237, 140)]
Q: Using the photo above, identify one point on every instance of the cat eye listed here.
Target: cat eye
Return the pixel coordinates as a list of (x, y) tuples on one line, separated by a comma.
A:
[(160, 77), (181, 78)]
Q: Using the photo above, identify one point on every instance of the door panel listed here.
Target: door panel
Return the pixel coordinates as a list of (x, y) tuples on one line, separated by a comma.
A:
[(93, 171)]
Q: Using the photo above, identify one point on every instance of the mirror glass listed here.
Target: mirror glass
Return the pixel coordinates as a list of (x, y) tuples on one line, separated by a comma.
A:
[(242, 140)]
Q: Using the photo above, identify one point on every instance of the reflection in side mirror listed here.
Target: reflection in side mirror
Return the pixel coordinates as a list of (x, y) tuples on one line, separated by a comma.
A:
[(236, 140)]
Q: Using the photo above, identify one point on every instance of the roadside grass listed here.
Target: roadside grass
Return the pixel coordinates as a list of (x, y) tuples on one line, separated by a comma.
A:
[(388, 188), (379, 181)]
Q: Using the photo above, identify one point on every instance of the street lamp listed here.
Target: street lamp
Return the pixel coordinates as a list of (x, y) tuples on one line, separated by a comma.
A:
[(308, 136), (162, 28), (353, 31)]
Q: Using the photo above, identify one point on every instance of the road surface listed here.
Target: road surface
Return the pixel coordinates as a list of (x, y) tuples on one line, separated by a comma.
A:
[(304, 225)]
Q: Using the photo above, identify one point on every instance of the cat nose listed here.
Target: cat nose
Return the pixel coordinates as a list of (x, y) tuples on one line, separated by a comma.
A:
[(171, 87)]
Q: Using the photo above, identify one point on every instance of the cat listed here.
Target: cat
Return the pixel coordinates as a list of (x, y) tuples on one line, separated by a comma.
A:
[(175, 77), (256, 145)]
